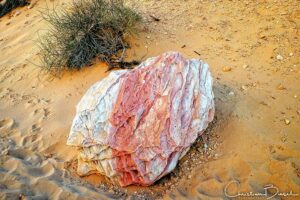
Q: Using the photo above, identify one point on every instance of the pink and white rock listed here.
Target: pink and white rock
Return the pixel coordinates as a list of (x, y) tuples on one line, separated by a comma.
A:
[(134, 125)]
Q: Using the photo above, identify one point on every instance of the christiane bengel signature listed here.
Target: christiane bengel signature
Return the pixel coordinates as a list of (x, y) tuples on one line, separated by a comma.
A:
[(270, 191)]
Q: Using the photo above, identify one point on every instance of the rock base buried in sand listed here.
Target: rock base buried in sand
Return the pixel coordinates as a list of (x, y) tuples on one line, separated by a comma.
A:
[(134, 125)]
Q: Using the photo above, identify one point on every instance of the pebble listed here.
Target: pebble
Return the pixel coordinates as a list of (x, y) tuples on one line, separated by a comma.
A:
[(279, 57), (226, 69), (283, 138), (244, 87), (17, 13), (231, 93), (263, 37), (287, 122), (245, 66), (295, 96), (280, 87), (291, 54), (205, 147)]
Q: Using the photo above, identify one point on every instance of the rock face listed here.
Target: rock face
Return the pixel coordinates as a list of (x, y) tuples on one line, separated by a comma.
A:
[(134, 125)]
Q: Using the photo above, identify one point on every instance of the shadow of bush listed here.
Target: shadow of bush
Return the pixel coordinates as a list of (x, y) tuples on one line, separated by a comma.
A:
[(8, 5)]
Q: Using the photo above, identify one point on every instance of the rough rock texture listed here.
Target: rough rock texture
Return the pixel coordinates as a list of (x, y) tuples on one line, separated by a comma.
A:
[(134, 125)]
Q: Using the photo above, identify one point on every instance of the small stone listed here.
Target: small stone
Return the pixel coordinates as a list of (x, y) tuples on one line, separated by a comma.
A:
[(279, 57), (281, 87), (283, 138), (263, 37), (22, 197), (226, 69), (291, 54), (244, 87), (295, 96), (263, 103), (231, 93), (245, 66), (17, 13), (205, 147), (148, 37), (8, 23), (287, 122)]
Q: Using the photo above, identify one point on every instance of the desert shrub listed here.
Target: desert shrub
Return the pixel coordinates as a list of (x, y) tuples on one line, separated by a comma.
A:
[(7, 5), (87, 29)]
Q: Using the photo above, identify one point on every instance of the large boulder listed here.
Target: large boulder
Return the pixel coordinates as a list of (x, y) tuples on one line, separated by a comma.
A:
[(134, 125)]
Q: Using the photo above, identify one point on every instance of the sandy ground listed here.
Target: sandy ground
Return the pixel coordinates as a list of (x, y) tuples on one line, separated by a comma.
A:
[(254, 141)]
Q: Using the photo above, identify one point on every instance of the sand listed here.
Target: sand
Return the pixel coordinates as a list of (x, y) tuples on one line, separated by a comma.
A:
[(254, 140)]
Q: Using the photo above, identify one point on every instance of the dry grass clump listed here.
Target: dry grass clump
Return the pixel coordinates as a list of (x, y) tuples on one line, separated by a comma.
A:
[(88, 29), (7, 5)]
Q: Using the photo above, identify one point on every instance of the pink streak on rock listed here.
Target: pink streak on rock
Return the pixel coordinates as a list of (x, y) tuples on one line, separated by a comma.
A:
[(136, 95)]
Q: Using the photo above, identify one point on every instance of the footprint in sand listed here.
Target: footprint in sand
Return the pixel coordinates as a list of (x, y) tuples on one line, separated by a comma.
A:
[(35, 101), (33, 142), (41, 113), (6, 125), (45, 170), (38, 112), (45, 101), (30, 139), (4, 92), (32, 102), (15, 98), (47, 112), (36, 128), (281, 153)]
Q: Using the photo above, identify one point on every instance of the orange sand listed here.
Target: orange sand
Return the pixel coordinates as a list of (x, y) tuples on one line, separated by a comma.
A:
[(256, 135)]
